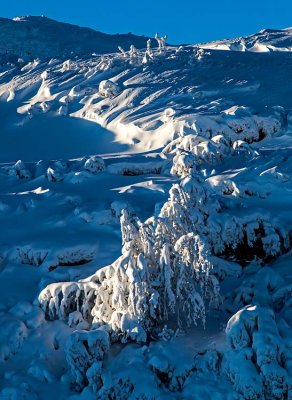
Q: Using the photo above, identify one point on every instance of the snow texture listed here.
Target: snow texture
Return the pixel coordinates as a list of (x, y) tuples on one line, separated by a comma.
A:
[(145, 207)]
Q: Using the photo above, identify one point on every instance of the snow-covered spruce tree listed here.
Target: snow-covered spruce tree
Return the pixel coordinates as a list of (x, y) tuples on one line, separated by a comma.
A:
[(164, 272), (237, 238)]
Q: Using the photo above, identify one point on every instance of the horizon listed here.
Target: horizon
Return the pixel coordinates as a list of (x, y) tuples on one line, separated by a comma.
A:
[(134, 33), (220, 21)]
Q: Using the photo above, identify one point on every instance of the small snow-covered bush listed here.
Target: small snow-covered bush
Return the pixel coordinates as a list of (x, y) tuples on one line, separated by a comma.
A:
[(13, 333), (109, 89), (54, 175), (75, 256), (132, 169), (258, 360), (67, 66), (84, 352), (18, 170), (76, 320), (94, 164), (28, 256)]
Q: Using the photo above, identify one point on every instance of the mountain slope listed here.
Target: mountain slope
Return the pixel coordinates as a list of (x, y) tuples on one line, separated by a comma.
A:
[(32, 37)]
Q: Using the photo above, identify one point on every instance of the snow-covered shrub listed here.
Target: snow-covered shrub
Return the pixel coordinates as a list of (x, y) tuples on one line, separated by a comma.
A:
[(106, 63), (28, 256), (94, 164), (31, 315), (84, 352), (18, 170), (241, 147), (67, 66), (75, 256), (168, 115), (94, 376), (54, 175), (76, 320), (148, 56), (252, 237), (225, 187), (58, 301), (184, 142), (258, 357), (205, 381), (130, 377), (199, 53), (110, 89), (13, 333), (223, 145), (209, 360), (183, 163), (69, 257), (161, 41), (132, 169), (258, 360), (134, 55), (122, 51)]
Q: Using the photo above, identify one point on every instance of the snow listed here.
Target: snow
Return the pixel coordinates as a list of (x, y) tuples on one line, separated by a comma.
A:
[(145, 211), (33, 37), (266, 40)]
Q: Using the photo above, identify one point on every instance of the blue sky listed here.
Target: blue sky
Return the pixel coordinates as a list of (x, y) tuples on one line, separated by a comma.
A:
[(185, 21)]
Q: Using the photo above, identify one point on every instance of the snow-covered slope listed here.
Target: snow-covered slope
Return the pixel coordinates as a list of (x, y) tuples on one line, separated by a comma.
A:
[(266, 40), (145, 207), (32, 37)]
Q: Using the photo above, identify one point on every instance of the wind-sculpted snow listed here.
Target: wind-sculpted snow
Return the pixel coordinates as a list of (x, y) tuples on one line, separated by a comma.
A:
[(266, 40), (171, 166)]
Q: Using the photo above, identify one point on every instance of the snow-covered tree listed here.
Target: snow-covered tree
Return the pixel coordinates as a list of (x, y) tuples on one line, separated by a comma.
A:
[(164, 271), (122, 51), (84, 353), (161, 41)]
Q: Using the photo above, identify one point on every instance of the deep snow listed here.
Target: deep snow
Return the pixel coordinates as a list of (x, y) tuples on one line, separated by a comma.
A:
[(155, 118)]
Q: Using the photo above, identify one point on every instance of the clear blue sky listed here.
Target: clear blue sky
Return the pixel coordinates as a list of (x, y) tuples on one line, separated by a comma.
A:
[(185, 21)]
